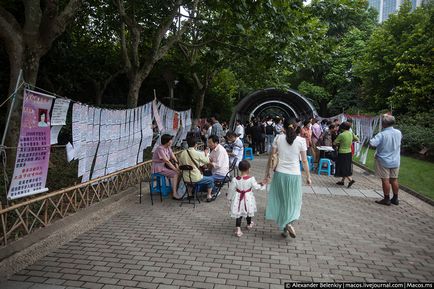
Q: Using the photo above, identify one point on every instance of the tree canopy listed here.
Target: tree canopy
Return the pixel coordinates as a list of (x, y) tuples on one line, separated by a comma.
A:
[(117, 52), (396, 67)]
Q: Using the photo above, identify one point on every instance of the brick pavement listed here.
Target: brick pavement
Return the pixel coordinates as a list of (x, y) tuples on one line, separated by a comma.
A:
[(341, 236)]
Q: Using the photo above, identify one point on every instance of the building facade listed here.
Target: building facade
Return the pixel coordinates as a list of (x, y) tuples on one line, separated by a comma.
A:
[(387, 7)]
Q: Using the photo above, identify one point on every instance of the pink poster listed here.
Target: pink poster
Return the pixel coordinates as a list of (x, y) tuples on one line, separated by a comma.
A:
[(33, 153)]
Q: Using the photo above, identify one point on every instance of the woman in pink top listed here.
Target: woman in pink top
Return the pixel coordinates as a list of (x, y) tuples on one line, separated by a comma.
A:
[(161, 162), (306, 133)]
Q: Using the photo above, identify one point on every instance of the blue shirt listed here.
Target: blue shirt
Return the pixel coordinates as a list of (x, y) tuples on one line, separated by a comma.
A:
[(388, 143)]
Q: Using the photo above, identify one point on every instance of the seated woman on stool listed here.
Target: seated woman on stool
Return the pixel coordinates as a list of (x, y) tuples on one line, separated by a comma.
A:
[(164, 162)]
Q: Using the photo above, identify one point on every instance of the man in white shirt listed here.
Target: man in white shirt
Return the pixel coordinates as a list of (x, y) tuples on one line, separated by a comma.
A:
[(219, 158), (239, 130)]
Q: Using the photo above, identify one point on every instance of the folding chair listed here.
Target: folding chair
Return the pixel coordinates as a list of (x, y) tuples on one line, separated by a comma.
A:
[(226, 180), (189, 185)]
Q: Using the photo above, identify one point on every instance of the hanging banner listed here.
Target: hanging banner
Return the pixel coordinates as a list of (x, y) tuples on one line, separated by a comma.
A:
[(33, 153)]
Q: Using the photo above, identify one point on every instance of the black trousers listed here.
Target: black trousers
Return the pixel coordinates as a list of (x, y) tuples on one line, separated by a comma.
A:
[(238, 221)]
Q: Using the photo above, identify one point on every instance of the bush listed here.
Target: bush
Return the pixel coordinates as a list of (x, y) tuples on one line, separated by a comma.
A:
[(417, 131)]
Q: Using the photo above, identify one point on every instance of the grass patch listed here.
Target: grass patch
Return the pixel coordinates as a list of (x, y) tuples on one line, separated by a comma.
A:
[(413, 173)]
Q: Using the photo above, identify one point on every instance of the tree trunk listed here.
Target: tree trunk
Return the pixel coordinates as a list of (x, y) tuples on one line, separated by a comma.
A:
[(27, 42), (13, 132), (135, 83), (30, 67), (98, 97), (200, 100)]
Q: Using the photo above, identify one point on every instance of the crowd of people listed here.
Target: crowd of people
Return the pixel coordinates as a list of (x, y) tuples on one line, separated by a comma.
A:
[(288, 142)]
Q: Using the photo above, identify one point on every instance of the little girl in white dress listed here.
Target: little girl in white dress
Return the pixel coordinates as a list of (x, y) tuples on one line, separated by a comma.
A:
[(240, 194)]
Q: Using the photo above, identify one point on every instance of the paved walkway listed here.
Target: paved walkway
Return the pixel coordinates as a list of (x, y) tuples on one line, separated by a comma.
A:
[(343, 235)]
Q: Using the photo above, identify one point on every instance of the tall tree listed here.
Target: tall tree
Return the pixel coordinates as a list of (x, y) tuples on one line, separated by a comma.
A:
[(328, 70), (153, 28), (27, 38), (257, 40), (397, 65)]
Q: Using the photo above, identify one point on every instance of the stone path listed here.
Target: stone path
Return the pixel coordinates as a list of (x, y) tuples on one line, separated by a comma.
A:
[(343, 235)]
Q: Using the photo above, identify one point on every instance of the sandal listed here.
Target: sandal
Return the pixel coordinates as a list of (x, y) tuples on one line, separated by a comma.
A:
[(249, 227), (290, 230)]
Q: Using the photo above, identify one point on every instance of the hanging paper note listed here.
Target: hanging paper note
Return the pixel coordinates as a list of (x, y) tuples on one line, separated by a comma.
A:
[(55, 130), (60, 110), (70, 153), (157, 116)]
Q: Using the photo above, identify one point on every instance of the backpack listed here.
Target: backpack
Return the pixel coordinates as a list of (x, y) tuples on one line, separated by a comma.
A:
[(269, 129)]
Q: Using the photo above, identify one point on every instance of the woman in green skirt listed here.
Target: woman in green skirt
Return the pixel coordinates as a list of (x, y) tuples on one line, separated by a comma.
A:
[(284, 196)]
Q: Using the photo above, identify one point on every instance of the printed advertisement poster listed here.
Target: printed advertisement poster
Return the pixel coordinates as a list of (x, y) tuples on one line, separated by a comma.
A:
[(33, 152)]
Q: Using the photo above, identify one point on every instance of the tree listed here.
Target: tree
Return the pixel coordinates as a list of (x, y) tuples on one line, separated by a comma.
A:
[(397, 65), (222, 94), (26, 42), (259, 41), (149, 37), (346, 24), (86, 59)]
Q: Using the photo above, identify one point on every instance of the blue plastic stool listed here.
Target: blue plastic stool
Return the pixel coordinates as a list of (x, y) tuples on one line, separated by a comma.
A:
[(250, 156), (157, 184), (309, 163), (322, 169)]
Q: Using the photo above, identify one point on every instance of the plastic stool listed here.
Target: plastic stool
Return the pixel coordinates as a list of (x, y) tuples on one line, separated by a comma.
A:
[(157, 184), (250, 155), (309, 163), (328, 167)]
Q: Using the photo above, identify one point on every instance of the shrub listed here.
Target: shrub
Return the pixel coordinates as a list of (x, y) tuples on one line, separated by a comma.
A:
[(417, 131)]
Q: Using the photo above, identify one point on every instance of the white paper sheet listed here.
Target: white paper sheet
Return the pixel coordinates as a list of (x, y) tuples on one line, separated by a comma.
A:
[(85, 177), (70, 152), (157, 116), (60, 110), (81, 167), (54, 134)]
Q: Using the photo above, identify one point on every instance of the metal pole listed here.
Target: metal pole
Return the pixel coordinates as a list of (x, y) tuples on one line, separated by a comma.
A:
[(20, 76)]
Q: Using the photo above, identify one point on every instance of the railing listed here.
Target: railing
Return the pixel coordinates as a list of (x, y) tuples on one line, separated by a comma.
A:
[(22, 219)]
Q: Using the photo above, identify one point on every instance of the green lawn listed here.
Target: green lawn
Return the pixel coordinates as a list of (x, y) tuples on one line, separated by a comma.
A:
[(415, 174)]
